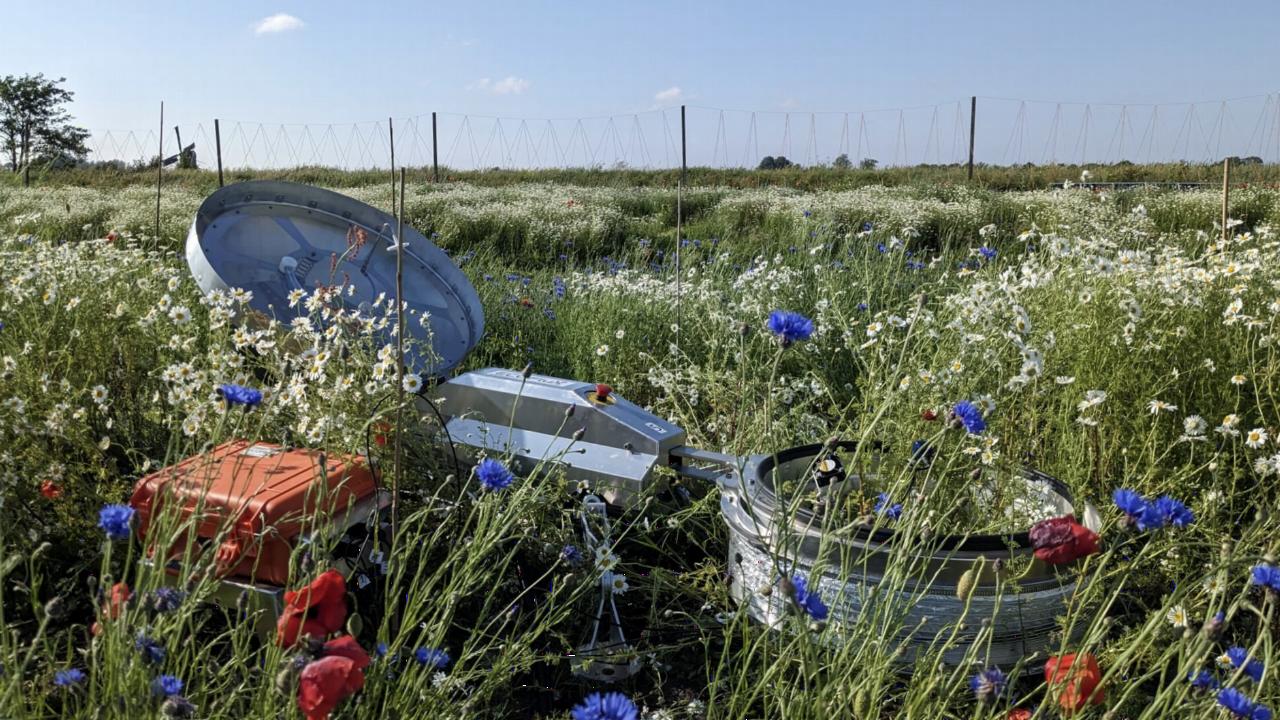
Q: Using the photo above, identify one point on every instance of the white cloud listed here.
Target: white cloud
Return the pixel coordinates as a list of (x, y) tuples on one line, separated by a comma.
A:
[(278, 23), (509, 85), (672, 94)]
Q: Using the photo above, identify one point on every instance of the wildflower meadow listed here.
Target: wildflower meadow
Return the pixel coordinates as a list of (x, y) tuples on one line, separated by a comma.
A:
[(1120, 342)]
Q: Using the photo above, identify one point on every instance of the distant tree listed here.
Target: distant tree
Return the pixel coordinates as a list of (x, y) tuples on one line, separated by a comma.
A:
[(842, 162), (767, 163), (1251, 160), (868, 164), (35, 126), (782, 163)]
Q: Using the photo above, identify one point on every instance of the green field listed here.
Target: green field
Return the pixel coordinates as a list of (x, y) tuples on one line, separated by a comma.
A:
[(1111, 339)]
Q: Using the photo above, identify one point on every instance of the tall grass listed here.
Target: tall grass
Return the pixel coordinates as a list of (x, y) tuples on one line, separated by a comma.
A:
[(1130, 294)]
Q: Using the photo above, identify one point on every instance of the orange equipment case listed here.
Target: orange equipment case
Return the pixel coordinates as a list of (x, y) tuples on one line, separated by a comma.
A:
[(258, 497)]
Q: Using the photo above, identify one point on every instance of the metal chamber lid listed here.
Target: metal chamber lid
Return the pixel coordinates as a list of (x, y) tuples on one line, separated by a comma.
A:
[(272, 237)]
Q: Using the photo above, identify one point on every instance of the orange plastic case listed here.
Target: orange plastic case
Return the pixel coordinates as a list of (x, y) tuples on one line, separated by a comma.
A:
[(258, 498)]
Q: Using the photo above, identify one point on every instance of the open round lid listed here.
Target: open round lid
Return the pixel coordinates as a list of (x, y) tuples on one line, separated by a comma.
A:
[(272, 237)]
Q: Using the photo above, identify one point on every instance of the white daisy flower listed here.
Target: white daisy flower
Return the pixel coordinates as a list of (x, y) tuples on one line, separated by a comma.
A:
[(1256, 438)]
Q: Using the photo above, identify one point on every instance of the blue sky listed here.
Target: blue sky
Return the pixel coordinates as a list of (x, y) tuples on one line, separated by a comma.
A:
[(343, 62)]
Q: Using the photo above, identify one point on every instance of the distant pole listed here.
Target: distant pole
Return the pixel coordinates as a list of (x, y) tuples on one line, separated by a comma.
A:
[(159, 171), (399, 452), (217, 141), (1226, 195), (973, 123), (435, 156), (684, 168), (391, 143)]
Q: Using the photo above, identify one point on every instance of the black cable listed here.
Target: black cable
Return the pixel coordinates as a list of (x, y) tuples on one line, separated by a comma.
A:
[(457, 467)]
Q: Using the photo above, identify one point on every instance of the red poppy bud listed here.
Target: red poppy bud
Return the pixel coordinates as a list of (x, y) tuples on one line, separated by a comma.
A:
[(603, 391), (114, 605), (928, 415), (1062, 539), (380, 431), (1076, 679), (51, 490), (1018, 714)]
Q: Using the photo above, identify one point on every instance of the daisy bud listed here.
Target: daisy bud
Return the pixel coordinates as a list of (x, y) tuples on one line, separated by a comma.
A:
[(766, 591), (577, 434), (743, 329), (528, 370), (568, 411), (966, 584)]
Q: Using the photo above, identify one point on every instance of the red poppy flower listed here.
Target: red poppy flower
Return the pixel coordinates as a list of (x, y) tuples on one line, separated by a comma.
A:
[(319, 609), (1018, 714), (928, 415), (51, 490), (1062, 539), (327, 682), (1075, 678), (603, 392), (111, 236), (347, 647)]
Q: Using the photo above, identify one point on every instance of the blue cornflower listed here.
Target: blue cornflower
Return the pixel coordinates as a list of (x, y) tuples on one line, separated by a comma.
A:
[(1151, 518), (922, 453), (867, 226), (432, 657), (166, 685), (1174, 512), (167, 599), (807, 213), (885, 506), (234, 394), (988, 253), (68, 678), (789, 327), (606, 706), (152, 651), (988, 684), (1241, 706), (862, 307), (494, 475), (1130, 503), (970, 417), (114, 521), (571, 555), (1202, 680), (1267, 576), (881, 247), (808, 600), (1239, 658)]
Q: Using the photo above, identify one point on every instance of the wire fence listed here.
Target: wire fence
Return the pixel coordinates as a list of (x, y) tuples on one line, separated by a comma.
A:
[(1004, 132)]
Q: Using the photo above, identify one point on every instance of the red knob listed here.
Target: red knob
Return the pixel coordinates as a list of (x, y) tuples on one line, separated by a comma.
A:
[(603, 391)]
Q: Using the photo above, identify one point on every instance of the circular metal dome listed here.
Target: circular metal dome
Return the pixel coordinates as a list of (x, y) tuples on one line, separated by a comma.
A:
[(765, 536), (272, 237)]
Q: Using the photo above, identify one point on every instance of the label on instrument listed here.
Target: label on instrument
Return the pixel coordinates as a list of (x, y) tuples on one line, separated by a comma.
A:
[(260, 451)]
